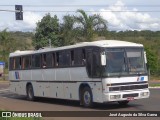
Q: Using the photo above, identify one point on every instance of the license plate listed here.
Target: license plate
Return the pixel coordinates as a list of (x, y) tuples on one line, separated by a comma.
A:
[(130, 98)]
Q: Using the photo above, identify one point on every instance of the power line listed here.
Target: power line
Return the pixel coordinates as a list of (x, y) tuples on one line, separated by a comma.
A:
[(10, 11), (85, 11), (81, 5)]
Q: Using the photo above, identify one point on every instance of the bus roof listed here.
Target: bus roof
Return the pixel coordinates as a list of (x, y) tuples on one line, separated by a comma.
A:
[(100, 43)]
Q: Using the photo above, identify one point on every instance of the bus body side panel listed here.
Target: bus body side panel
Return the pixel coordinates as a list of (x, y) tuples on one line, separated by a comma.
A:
[(63, 74), (18, 87), (49, 74), (16, 84), (52, 83), (37, 75), (96, 88), (71, 91), (80, 75), (11, 75), (26, 75)]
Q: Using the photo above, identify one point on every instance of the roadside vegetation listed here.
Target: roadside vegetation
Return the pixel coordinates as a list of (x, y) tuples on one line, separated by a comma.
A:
[(82, 27), (155, 85)]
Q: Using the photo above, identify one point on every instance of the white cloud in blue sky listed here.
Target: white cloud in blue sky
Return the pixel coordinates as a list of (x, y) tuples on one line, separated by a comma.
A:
[(133, 20), (116, 20)]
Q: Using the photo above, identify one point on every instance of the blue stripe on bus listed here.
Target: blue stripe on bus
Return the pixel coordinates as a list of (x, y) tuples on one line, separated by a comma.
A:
[(17, 75)]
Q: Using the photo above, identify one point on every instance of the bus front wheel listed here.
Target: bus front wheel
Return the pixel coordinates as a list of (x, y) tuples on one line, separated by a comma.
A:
[(30, 93), (86, 97)]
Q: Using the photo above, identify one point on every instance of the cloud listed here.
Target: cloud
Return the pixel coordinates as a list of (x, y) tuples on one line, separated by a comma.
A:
[(130, 19), (31, 19), (28, 24)]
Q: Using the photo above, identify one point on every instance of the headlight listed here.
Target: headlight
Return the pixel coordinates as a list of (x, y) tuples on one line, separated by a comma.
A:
[(144, 94), (115, 96)]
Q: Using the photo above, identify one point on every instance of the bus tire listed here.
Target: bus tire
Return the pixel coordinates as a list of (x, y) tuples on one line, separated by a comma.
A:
[(30, 93), (123, 103), (86, 97)]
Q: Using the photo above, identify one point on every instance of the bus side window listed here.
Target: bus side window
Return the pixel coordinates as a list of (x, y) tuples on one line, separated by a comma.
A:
[(14, 64), (57, 59), (11, 63), (64, 58), (26, 62), (53, 60), (72, 57), (67, 57), (83, 57), (44, 62), (36, 61), (49, 60), (79, 56), (23, 62), (18, 64)]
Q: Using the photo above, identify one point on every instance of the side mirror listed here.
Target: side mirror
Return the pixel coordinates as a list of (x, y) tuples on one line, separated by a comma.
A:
[(103, 59), (145, 57)]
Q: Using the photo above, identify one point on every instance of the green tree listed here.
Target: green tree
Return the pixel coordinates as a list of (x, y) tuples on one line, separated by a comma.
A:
[(6, 46), (89, 24), (67, 30), (152, 60), (10, 43), (47, 29)]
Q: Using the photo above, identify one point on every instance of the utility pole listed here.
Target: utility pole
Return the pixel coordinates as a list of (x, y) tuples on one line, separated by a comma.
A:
[(49, 42)]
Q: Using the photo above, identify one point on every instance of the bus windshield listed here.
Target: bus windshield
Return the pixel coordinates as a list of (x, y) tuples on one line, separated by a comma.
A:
[(124, 62)]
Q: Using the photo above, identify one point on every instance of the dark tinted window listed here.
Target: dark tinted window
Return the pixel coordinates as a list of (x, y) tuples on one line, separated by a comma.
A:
[(64, 58), (11, 63), (57, 59), (36, 61), (26, 62), (72, 57), (79, 57), (96, 64), (18, 64), (44, 63), (50, 60)]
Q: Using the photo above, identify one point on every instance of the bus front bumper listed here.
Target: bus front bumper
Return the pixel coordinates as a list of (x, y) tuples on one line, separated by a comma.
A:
[(126, 95)]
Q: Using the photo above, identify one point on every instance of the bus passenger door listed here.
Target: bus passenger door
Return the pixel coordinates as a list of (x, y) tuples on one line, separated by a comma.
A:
[(89, 63), (94, 73), (93, 64)]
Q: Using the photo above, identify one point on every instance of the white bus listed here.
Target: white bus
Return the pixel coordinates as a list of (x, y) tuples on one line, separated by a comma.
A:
[(100, 71)]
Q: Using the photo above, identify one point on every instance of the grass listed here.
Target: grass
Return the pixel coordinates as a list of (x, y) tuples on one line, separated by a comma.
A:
[(154, 77), (155, 85)]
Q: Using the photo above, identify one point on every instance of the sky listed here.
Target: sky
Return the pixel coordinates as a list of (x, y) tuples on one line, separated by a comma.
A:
[(121, 15)]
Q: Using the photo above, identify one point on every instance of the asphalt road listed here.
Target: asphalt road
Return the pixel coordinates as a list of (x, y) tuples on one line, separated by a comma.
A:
[(9, 101)]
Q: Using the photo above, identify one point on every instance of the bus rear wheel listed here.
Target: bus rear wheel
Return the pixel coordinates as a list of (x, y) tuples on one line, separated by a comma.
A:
[(30, 93), (123, 103), (86, 97)]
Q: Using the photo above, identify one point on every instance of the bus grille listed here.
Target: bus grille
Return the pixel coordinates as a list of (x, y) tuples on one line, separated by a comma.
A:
[(130, 95), (130, 87)]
